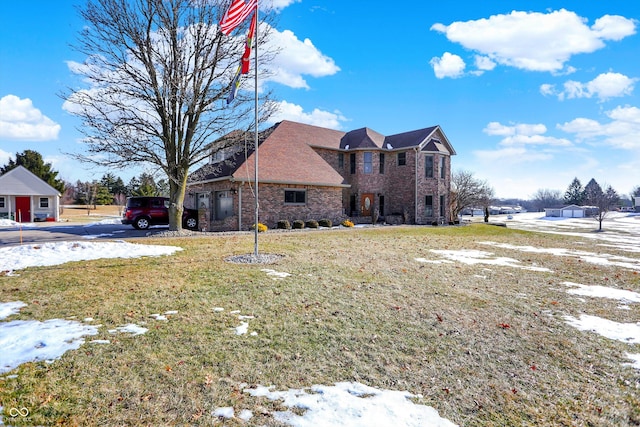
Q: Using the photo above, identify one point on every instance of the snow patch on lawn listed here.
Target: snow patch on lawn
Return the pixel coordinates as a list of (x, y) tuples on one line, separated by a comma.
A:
[(351, 404), (625, 332), (46, 254), (25, 341), (472, 257)]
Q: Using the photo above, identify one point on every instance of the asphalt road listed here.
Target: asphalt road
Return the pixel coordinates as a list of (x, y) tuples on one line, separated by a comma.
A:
[(40, 233)]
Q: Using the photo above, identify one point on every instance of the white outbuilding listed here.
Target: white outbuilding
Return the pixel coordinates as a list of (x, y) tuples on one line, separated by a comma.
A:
[(24, 197), (571, 211)]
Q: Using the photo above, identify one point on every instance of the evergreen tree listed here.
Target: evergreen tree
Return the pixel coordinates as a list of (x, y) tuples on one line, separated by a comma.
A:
[(592, 193), (575, 193), (114, 184), (103, 195), (147, 186), (32, 160)]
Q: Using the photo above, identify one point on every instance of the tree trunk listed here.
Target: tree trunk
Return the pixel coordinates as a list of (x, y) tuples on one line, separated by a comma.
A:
[(176, 197)]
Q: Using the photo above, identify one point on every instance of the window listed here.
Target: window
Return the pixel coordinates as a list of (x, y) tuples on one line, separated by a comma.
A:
[(428, 166), (442, 206), (44, 202), (381, 163), (428, 206), (341, 160), (2, 202), (402, 159), (368, 162), (441, 166), (295, 197), (352, 162)]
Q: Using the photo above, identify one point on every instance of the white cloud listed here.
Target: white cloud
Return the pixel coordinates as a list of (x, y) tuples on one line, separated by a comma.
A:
[(523, 134), (281, 4), (536, 41), (623, 131), (296, 58), (449, 65), (21, 121), (511, 155), (288, 111), (548, 89), (605, 86), (485, 63), (4, 157)]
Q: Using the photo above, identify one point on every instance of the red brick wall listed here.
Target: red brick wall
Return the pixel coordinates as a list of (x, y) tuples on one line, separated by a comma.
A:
[(397, 184), (321, 203)]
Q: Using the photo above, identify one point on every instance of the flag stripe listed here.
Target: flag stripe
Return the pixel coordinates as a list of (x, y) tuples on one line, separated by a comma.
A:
[(249, 43), (238, 12)]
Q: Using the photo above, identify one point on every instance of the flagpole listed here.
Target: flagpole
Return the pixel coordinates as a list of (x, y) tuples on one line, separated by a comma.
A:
[(255, 237)]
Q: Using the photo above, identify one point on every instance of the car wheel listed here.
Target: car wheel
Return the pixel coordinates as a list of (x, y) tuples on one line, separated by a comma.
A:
[(141, 223), (191, 223)]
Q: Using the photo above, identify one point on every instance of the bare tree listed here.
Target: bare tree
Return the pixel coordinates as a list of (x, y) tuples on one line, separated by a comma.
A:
[(159, 72), (605, 201), (468, 191), (546, 198)]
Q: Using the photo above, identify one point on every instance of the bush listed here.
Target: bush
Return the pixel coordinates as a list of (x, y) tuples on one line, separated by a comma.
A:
[(298, 224), (312, 223), (347, 223), (325, 223), (284, 224), (434, 223), (261, 227)]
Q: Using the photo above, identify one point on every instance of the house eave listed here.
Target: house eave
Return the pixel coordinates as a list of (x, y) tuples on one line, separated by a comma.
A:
[(287, 182)]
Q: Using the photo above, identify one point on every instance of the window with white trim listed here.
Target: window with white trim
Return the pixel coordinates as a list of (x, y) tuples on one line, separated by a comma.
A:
[(44, 202), (2, 202)]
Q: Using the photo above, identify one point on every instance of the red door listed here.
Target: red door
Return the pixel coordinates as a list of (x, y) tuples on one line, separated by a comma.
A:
[(23, 209)]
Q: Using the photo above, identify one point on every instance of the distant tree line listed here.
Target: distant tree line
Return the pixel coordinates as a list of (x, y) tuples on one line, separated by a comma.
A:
[(109, 190), (591, 194)]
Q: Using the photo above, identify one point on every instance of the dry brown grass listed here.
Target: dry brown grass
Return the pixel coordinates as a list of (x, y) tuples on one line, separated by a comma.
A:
[(80, 213), (484, 351)]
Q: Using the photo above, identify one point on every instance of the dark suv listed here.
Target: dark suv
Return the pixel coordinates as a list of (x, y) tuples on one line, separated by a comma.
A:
[(142, 212)]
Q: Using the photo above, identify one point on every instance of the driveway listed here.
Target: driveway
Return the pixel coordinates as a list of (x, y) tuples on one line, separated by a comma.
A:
[(46, 232)]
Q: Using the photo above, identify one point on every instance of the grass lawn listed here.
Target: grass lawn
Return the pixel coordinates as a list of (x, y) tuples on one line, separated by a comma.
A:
[(485, 345)]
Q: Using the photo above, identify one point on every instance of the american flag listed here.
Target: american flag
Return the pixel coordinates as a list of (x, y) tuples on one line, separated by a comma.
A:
[(238, 12)]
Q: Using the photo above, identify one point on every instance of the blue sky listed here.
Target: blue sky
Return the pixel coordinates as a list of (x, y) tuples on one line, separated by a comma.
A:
[(530, 94)]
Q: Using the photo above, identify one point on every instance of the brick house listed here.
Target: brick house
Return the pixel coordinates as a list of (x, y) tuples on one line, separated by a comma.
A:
[(309, 172)]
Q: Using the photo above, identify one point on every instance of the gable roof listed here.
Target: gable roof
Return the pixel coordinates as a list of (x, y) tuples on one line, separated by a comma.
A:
[(285, 157), (20, 181)]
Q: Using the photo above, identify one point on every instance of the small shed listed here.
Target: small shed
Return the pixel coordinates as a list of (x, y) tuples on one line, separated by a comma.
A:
[(24, 197), (571, 211)]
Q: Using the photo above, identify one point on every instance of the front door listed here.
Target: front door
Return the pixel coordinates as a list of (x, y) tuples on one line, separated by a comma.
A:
[(366, 204), (23, 209)]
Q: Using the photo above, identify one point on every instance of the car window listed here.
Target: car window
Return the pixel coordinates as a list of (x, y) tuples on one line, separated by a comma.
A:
[(166, 204), (135, 203), (157, 203)]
